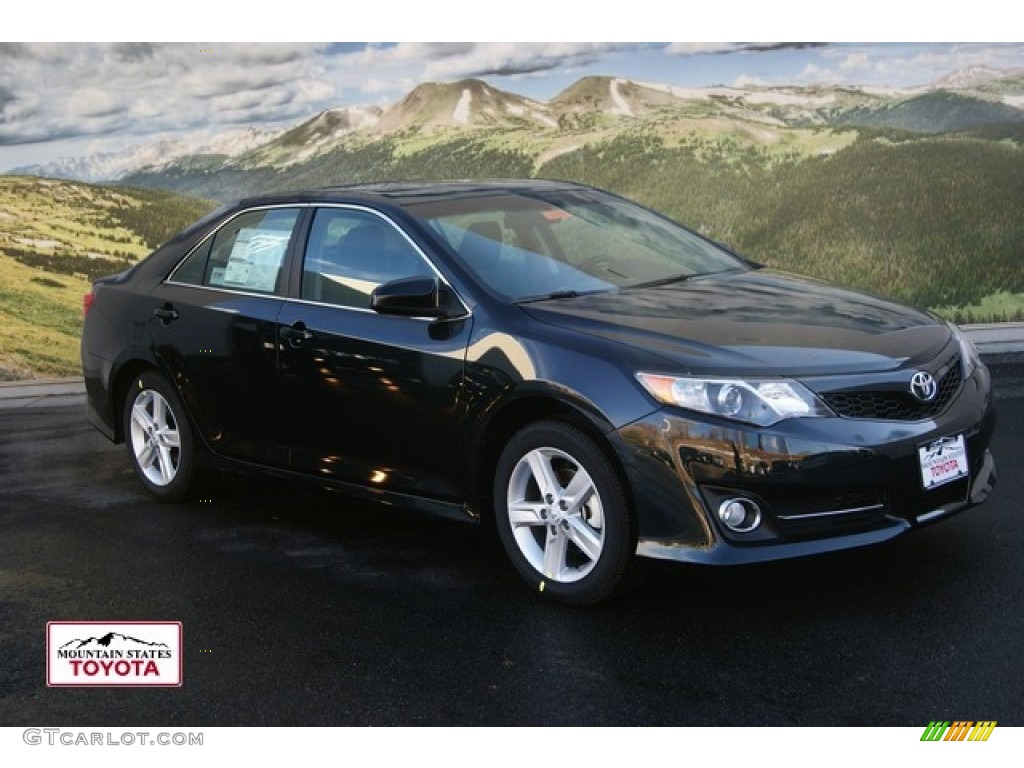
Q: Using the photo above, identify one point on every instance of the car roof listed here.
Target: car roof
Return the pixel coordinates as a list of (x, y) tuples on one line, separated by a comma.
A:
[(409, 192)]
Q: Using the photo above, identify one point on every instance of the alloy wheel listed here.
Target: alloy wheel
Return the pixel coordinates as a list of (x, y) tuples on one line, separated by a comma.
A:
[(556, 514), (155, 439)]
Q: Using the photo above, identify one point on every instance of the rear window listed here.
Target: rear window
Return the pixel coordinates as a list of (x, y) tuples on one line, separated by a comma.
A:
[(246, 254)]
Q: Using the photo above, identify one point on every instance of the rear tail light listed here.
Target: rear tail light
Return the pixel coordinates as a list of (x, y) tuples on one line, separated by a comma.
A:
[(87, 300)]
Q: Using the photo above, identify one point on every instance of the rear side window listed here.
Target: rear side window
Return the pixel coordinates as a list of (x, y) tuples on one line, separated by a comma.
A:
[(246, 254)]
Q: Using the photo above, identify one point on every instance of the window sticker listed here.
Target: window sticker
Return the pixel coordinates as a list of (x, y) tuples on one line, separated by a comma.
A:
[(256, 259)]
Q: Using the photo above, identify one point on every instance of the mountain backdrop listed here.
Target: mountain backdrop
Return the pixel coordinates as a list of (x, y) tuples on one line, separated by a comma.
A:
[(917, 194)]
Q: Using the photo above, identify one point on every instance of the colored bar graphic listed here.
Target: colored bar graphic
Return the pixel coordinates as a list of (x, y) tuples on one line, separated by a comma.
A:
[(958, 730), (935, 730), (982, 730)]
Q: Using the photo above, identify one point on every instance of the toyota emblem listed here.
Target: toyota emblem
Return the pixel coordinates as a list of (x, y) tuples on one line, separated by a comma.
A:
[(923, 386)]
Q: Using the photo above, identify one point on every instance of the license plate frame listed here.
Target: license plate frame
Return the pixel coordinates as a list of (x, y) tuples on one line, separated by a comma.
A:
[(943, 461)]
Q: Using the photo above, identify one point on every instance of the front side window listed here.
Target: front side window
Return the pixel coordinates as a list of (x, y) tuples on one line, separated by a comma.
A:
[(246, 254), (351, 252)]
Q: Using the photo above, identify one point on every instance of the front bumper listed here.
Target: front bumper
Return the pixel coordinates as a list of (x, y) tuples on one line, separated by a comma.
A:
[(822, 484)]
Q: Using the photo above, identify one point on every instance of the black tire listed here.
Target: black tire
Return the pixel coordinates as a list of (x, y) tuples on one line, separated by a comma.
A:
[(573, 552), (167, 471)]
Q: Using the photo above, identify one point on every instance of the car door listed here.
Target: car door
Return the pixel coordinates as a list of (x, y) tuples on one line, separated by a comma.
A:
[(213, 327), (377, 397)]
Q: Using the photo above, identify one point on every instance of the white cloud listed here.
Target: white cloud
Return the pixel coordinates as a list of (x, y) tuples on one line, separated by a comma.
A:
[(813, 74), (407, 53), (95, 102), (750, 81), (858, 60), (142, 88), (376, 85), (516, 58), (452, 61), (692, 49)]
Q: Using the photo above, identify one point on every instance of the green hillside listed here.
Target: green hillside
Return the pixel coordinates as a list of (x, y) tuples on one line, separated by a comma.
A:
[(57, 236)]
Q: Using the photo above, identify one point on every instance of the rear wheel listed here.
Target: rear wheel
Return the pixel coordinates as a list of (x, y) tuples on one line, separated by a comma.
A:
[(562, 514), (159, 438)]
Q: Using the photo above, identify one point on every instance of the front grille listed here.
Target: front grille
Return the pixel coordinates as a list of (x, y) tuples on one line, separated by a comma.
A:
[(895, 405)]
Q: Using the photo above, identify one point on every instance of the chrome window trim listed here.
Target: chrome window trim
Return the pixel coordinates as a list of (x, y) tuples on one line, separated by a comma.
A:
[(169, 280), (232, 291), (369, 311)]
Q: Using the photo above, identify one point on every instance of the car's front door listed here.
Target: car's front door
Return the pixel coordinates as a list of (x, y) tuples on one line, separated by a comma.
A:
[(213, 327), (375, 397)]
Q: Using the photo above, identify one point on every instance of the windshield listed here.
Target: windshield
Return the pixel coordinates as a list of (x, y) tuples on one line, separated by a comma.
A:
[(536, 244)]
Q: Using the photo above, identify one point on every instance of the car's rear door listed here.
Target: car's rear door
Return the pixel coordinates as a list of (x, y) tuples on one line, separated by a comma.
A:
[(213, 327), (376, 396)]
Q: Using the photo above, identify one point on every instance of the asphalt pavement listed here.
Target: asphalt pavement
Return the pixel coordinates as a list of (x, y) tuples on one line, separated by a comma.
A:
[(304, 608)]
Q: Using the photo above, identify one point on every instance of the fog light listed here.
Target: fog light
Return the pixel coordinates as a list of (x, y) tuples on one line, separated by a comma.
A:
[(740, 515)]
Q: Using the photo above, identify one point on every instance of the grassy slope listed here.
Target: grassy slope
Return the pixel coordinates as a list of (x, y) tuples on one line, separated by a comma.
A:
[(40, 322), (55, 236)]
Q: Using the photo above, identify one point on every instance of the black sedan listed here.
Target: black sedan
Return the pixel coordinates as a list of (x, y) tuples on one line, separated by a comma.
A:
[(593, 379)]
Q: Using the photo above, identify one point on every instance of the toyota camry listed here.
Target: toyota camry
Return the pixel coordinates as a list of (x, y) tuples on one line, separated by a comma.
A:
[(596, 382)]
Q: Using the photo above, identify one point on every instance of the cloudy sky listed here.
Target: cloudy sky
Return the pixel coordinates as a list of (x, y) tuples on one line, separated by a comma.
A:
[(67, 100)]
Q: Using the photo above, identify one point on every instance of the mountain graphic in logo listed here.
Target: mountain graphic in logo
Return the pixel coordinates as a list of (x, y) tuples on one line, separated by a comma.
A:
[(109, 641)]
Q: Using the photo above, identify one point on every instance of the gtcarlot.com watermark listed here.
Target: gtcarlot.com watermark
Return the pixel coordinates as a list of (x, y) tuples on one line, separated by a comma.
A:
[(67, 737)]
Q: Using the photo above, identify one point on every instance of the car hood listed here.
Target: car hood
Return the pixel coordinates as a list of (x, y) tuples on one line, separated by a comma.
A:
[(761, 321)]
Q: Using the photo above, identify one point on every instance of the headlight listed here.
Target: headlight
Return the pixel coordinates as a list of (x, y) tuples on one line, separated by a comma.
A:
[(968, 352), (757, 401)]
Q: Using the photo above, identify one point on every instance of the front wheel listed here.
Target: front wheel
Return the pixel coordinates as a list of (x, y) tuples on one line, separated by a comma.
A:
[(562, 514), (159, 438)]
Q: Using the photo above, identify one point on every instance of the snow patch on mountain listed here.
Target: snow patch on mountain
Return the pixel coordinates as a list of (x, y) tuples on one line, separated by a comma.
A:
[(461, 112), (690, 94), (620, 105)]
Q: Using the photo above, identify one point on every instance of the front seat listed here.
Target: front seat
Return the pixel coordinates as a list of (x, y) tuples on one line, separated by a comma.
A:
[(363, 252), (481, 247)]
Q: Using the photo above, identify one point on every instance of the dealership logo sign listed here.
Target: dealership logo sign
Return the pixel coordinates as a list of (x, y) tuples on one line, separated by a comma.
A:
[(95, 653)]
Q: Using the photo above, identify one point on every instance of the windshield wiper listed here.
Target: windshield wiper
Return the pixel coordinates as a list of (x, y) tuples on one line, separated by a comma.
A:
[(663, 281), (682, 278), (563, 294)]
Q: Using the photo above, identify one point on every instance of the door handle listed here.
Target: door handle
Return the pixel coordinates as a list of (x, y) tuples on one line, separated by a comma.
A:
[(167, 313), (297, 334)]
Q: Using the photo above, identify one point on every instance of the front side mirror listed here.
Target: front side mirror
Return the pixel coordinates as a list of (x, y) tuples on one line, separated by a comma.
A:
[(415, 297)]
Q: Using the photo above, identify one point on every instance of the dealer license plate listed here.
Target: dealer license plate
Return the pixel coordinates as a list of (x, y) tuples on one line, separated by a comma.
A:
[(943, 461)]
